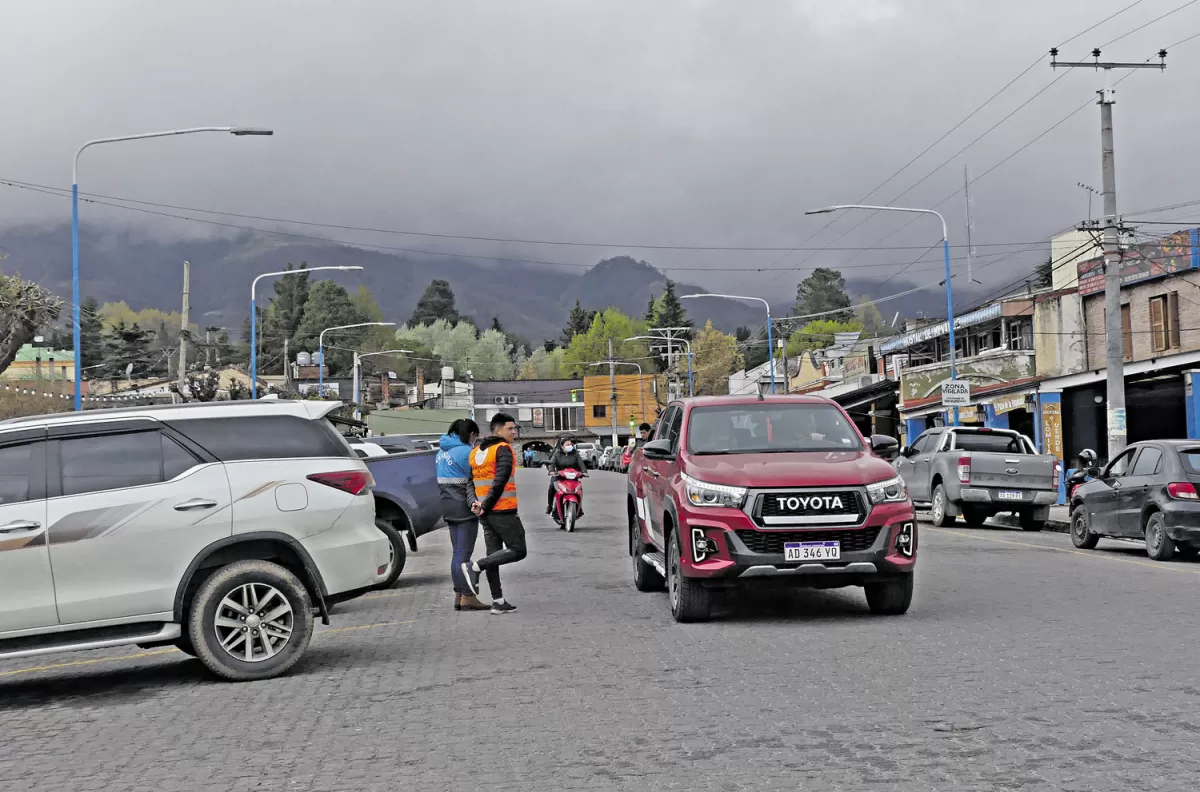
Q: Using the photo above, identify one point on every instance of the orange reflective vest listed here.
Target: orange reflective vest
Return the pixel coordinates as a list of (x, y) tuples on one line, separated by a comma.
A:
[(483, 471)]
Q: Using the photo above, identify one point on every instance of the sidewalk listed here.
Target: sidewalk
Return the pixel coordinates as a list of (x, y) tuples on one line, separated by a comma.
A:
[(1060, 520)]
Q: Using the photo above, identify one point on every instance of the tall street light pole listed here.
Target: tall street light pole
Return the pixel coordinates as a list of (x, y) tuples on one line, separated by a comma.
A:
[(321, 349), (946, 255), (770, 338), (254, 318), (358, 360), (233, 130)]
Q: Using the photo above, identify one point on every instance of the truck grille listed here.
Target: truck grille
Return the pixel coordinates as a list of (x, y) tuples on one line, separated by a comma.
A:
[(834, 507), (772, 542)]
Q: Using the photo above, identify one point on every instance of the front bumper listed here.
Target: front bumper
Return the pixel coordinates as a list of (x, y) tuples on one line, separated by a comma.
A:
[(741, 551), (991, 496)]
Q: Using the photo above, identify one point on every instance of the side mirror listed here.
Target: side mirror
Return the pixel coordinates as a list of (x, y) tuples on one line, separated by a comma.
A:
[(885, 446), (906, 451), (1094, 472), (657, 449)]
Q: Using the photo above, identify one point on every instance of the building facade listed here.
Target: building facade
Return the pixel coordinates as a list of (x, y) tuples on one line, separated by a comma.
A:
[(636, 402), (544, 408)]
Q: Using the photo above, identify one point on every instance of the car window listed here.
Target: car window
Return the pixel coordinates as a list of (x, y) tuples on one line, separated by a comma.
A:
[(1120, 465), (674, 429), (989, 441), (1149, 463), (176, 459), (770, 428), (264, 437), (15, 462), (1191, 459), (114, 461)]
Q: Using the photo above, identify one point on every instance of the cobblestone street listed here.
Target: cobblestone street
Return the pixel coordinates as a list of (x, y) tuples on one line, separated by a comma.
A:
[(1023, 664)]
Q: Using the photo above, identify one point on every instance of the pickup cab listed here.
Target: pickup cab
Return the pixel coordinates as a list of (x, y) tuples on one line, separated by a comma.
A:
[(978, 473), (407, 502), (738, 491)]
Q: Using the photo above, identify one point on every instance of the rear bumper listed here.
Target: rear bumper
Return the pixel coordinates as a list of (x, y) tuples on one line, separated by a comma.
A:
[(350, 554), (1183, 521), (991, 497)]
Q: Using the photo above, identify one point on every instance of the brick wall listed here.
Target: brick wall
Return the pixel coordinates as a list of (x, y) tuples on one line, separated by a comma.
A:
[(1187, 286)]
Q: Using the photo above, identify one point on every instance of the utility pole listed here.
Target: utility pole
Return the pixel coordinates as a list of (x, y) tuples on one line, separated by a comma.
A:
[(287, 366), (1090, 191), (1115, 362), (612, 384), (970, 228), (183, 331)]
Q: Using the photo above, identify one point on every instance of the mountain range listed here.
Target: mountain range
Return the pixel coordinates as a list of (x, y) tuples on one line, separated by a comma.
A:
[(531, 300)]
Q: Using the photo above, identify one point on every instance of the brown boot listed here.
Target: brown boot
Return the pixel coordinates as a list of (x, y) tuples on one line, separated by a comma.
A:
[(458, 601), (471, 603)]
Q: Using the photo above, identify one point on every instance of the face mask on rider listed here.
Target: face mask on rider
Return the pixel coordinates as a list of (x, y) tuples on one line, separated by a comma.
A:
[(568, 447)]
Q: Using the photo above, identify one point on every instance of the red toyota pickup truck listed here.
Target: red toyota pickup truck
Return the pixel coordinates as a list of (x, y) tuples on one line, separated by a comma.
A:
[(782, 490)]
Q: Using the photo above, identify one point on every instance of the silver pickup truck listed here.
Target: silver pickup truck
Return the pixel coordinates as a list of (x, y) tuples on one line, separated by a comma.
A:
[(979, 473)]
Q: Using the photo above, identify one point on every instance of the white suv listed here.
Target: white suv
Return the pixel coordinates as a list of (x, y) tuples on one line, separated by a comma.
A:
[(217, 528)]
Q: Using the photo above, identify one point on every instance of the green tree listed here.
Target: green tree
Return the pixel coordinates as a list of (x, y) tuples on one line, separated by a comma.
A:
[(591, 346), (670, 312), (651, 316), (436, 303), (547, 364), (126, 345), (822, 291), (869, 317), (329, 305), (527, 370), (491, 358), (819, 334), (717, 356), (753, 344), (25, 308), (579, 321), (1043, 274)]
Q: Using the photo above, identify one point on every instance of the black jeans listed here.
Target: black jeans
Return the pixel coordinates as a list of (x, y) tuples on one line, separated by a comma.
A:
[(504, 540)]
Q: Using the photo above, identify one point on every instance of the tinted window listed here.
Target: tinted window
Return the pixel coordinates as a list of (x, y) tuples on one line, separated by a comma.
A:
[(988, 441), (1148, 463), (674, 428), (1119, 466), (176, 460), (265, 437), (106, 462), (770, 428), (15, 462), (1191, 459)]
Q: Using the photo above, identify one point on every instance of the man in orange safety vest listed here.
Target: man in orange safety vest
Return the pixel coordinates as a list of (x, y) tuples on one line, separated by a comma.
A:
[(494, 469)]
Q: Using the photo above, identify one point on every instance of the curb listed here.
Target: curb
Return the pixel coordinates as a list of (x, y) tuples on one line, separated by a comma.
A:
[(1056, 526)]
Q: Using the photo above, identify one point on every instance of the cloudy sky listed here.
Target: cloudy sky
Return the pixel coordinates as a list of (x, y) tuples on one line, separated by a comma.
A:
[(674, 122)]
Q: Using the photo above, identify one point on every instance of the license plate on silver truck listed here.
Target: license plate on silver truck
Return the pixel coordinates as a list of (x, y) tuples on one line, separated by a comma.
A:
[(1012, 495)]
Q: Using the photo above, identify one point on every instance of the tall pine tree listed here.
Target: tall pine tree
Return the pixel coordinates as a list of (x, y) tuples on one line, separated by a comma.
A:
[(436, 303), (670, 311), (579, 322)]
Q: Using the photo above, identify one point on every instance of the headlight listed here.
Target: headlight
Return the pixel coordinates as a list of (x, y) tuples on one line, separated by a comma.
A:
[(700, 493), (887, 491)]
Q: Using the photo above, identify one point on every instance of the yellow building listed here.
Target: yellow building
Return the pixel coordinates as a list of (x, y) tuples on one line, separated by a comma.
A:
[(635, 403)]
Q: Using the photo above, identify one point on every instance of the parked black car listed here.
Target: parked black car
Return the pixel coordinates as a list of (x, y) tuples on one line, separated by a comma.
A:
[(1149, 492)]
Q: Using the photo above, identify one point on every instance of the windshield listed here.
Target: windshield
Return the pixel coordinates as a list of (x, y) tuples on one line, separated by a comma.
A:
[(769, 429), (1191, 459), (987, 441)]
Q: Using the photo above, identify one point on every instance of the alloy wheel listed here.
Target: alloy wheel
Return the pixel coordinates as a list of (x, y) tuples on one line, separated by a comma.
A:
[(254, 622)]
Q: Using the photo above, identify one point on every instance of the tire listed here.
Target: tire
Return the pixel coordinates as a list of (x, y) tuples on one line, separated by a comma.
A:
[(892, 598), (645, 577), (1081, 536), (938, 508), (974, 517), (689, 600), (398, 557), (1159, 546), (232, 583), (1030, 524), (569, 518)]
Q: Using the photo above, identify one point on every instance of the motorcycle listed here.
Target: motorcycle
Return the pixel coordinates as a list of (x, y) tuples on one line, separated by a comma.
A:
[(568, 497)]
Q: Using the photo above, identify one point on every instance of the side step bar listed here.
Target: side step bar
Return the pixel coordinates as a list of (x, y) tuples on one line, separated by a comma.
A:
[(656, 560), (66, 642)]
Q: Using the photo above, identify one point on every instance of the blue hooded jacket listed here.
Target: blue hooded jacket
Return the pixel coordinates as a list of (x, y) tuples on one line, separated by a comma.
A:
[(454, 479)]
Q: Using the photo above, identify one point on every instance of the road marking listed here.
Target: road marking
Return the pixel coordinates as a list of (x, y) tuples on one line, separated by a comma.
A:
[(157, 652), (1085, 553)]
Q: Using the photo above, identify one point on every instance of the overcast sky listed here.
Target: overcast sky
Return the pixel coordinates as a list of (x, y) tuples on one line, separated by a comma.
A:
[(685, 122)]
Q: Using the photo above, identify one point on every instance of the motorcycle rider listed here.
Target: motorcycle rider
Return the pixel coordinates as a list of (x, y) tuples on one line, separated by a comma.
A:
[(564, 457)]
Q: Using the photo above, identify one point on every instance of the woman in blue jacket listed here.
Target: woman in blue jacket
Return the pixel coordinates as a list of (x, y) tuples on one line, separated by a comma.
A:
[(458, 496)]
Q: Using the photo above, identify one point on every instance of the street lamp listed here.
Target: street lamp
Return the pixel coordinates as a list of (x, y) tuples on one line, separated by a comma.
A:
[(945, 252), (233, 130), (641, 382), (321, 349), (358, 359), (254, 319), (691, 390), (770, 341)]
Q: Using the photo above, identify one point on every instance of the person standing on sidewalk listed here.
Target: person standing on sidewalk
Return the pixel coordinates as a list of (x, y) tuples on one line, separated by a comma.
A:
[(493, 468), (458, 498)]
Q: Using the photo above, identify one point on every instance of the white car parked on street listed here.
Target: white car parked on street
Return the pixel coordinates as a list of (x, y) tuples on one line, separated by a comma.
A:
[(218, 528)]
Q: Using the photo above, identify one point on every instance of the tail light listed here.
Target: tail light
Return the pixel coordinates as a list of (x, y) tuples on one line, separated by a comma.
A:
[(1184, 490), (964, 469), (355, 482), (1057, 473)]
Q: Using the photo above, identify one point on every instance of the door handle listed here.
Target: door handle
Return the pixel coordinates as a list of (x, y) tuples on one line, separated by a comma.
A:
[(19, 525), (197, 503)]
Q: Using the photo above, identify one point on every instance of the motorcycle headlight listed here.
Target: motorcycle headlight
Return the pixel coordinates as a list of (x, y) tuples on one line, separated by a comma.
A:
[(701, 493), (888, 491)]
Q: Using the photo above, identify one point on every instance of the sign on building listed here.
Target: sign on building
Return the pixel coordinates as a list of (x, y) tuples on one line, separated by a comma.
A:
[(956, 393), (1052, 437), (1008, 404)]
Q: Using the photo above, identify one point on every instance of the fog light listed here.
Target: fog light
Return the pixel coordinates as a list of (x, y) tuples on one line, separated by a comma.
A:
[(702, 546), (906, 539)]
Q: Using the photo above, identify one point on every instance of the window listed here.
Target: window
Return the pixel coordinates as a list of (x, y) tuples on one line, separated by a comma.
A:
[(599, 410), (1020, 335), (1148, 463), (108, 462), (1164, 322), (673, 429), (560, 419), (176, 459), (770, 428), (15, 464), (920, 442), (1191, 459), (1120, 465), (1126, 334), (989, 441), (265, 437)]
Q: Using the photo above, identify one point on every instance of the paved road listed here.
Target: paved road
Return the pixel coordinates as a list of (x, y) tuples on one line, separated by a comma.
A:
[(1024, 664)]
